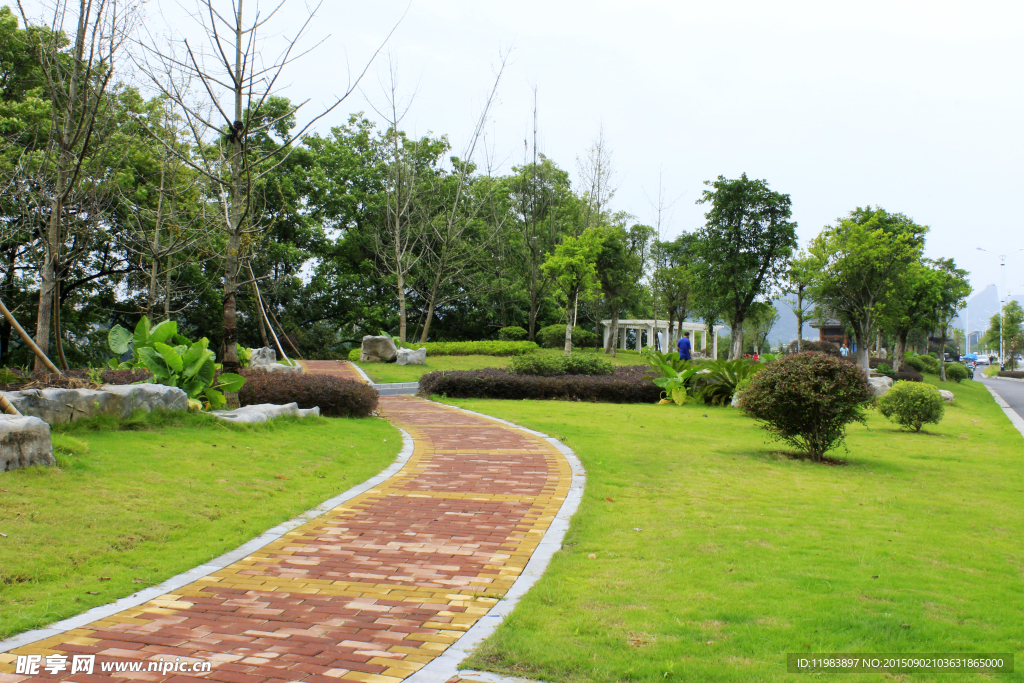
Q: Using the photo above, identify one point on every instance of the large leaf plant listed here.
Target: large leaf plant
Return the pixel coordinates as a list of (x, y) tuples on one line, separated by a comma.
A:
[(174, 360)]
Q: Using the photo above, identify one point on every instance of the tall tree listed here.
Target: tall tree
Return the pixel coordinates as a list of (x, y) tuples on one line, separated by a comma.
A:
[(77, 79), (744, 247), (673, 283), (953, 291), (797, 282), (574, 268), (856, 265)]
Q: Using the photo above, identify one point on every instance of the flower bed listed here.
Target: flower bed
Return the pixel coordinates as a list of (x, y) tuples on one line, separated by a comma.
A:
[(628, 384)]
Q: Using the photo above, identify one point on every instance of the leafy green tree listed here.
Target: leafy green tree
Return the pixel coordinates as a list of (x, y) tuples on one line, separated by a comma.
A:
[(908, 306), (856, 266), (674, 283), (1011, 323), (762, 317), (797, 283), (953, 291), (744, 247), (574, 268)]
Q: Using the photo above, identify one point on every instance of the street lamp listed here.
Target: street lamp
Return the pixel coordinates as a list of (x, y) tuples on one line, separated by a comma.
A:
[(1002, 292)]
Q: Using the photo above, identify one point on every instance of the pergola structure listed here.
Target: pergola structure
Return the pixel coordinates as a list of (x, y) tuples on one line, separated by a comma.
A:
[(660, 327)]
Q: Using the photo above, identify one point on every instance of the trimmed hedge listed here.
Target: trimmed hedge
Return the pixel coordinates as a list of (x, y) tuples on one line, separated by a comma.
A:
[(1012, 374), (554, 366), (908, 375), (467, 348), (336, 397), (628, 384)]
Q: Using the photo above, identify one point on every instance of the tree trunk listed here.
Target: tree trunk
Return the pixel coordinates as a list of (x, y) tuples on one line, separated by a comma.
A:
[(863, 333), (403, 316), (613, 336), (736, 343), (568, 326), (5, 324), (48, 277), (942, 354)]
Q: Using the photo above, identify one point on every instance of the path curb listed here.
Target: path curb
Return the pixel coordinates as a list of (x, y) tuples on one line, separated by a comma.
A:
[(214, 565), (445, 667), (1015, 419)]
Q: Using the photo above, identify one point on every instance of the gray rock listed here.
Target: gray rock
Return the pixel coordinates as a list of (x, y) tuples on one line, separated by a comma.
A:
[(880, 385), (410, 357), (737, 398), (263, 356), (281, 367), (57, 406), (147, 397), (378, 350), (24, 441), (947, 396), (265, 411)]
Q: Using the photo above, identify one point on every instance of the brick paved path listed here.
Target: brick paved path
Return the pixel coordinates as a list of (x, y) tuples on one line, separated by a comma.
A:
[(338, 368), (369, 592)]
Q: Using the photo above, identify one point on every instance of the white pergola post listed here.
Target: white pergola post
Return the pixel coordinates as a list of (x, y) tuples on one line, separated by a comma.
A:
[(714, 336)]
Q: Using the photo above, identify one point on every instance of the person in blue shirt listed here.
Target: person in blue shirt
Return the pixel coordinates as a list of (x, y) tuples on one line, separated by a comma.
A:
[(684, 346)]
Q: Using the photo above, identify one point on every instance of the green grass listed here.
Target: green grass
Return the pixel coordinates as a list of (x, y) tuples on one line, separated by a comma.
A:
[(716, 554), (389, 372), (135, 502)]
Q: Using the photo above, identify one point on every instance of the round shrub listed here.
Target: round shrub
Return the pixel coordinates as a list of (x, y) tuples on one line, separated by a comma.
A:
[(957, 372), (808, 345), (543, 365), (914, 362), (553, 337), (807, 400), (512, 333), (912, 404)]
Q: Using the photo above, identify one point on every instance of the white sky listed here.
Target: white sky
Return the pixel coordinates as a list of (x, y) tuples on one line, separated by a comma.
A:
[(911, 105)]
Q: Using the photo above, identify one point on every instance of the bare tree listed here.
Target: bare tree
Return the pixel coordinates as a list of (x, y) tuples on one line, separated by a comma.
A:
[(78, 84), (449, 252), (224, 89), (597, 175)]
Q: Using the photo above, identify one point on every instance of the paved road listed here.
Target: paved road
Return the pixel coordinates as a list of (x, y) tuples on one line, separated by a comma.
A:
[(1012, 392)]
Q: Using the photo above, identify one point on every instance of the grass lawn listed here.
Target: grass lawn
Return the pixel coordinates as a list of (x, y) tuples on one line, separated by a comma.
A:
[(716, 554), (128, 509), (389, 372)]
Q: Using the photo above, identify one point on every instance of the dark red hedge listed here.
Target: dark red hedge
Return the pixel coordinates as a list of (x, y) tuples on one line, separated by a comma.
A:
[(630, 384), (335, 397)]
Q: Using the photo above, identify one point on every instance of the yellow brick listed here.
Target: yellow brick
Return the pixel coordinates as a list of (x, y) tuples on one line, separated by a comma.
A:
[(399, 664)]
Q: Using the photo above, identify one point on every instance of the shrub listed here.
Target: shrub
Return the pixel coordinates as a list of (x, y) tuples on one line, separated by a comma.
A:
[(911, 405), (928, 364), (336, 397), (908, 375), (512, 333), (807, 400), (956, 372), (630, 384), (553, 337), (1012, 374), (544, 365), (820, 346), (884, 368), (914, 362), (353, 354)]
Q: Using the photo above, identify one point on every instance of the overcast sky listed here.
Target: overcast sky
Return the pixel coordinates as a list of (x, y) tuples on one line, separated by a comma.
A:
[(913, 106)]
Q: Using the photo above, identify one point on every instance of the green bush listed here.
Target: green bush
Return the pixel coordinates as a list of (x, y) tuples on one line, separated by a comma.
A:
[(553, 366), (353, 354), (884, 368), (914, 362), (512, 333), (553, 337), (807, 400), (957, 372), (912, 404), (928, 364)]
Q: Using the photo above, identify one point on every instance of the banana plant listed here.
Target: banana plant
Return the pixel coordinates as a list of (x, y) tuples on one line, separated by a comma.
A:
[(725, 375), (189, 365)]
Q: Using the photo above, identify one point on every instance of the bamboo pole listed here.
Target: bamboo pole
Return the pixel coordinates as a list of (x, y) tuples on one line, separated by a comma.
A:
[(27, 339), (259, 300), (8, 407)]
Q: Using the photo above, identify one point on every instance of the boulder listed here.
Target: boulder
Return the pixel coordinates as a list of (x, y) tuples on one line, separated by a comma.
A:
[(265, 411), (947, 396), (410, 357), (57, 406), (281, 367), (880, 385), (147, 397), (378, 350), (737, 398), (263, 356), (24, 441)]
